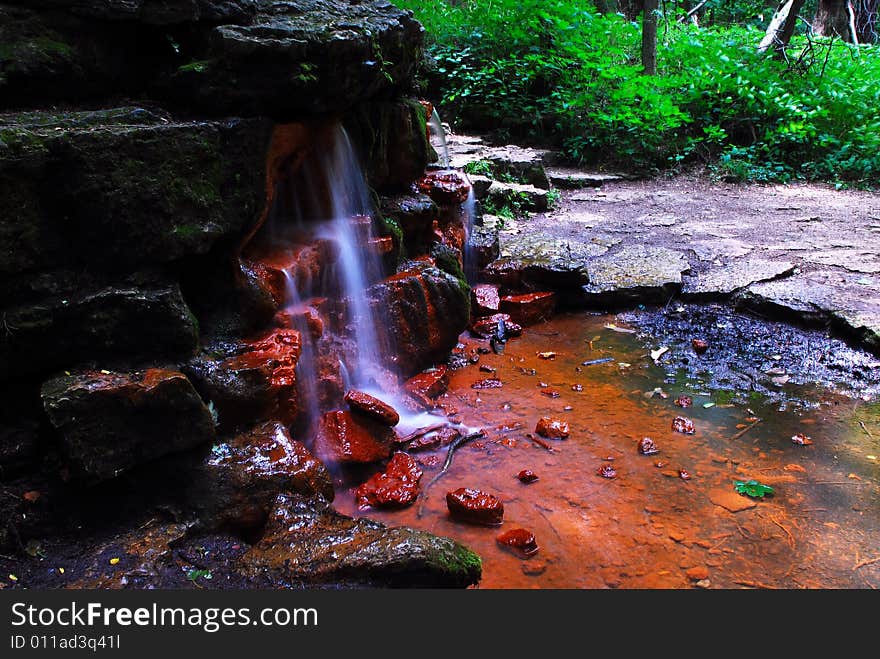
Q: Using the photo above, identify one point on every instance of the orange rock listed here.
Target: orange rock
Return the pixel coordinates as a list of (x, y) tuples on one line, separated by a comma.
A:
[(552, 428)]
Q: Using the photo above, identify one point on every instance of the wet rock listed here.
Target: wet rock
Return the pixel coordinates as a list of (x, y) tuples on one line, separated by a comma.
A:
[(730, 500), (522, 541), (723, 281), (528, 197), (488, 383), (487, 328), (529, 308), (307, 542), (527, 476), (801, 439), (698, 573), (236, 487), (344, 438), (684, 401), (425, 310), (684, 474), (573, 179), (636, 273), (396, 487), (550, 392), (445, 187), (414, 214), (647, 446), (429, 384), (60, 318), (484, 244), (485, 300), (683, 425), (819, 298), (475, 507), (607, 471), (700, 346), (552, 428), (256, 382), (434, 440), (137, 188), (360, 401), (110, 422)]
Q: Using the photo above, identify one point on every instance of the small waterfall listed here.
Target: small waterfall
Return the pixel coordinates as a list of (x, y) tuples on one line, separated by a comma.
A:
[(307, 364), (438, 140)]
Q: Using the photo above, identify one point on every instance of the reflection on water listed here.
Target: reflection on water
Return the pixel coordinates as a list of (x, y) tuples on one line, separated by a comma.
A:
[(648, 527)]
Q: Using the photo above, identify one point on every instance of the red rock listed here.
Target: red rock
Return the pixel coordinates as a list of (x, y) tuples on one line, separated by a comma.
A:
[(396, 487), (684, 401), (684, 474), (527, 476), (364, 403), (607, 471), (429, 384), (698, 573), (302, 263), (552, 428), (434, 440), (485, 300), (801, 439), (577, 387), (487, 327), (382, 245), (488, 383), (683, 425), (475, 507), (550, 392), (699, 346), (520, 540), (344, 438), (529, 308), (445, 187), (647, 446)]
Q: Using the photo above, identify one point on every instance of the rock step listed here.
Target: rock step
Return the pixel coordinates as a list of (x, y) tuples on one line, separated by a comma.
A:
[(527, 196), (573, 179), (523, 164)]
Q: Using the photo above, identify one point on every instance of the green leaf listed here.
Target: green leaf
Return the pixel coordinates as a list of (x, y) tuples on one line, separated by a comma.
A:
[(193, 574), (753, 489)]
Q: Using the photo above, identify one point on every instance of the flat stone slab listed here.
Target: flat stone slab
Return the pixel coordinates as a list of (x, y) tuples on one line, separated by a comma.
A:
[(849, 300), (734, 276), (854, 260), (546, 259), (730, 500), (719, 248), (647, 272), (531, 197), (574, 179)]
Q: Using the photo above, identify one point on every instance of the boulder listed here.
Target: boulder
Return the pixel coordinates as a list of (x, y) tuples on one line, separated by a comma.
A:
[(122, 187), (237, 485), (111, 422), (344, 438), (307, 542), (446, 187), (396, 487), (61, 318), (424, 310), (529, 308), (224, 57), (430, 383), (256, 381), (552, 428), (363, 403)]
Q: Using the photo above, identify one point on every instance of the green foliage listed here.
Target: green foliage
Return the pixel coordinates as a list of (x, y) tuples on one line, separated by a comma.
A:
[(753, 489), (553, 197), (479, 167), (194, 575), (557, 71)]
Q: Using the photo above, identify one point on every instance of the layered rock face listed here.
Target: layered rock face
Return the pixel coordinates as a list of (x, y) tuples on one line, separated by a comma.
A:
[(141, 315)]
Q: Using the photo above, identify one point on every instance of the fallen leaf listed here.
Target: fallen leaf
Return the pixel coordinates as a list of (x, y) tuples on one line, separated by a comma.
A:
[(708, 405), (547, 355), (622, 330), (12, 577), (794, 467), (658, 353), (31, 495), (753, 489), (114, 561), (801, 439)]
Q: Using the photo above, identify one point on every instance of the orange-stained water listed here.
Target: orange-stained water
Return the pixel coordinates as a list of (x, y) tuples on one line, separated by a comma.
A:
[(649, 528)]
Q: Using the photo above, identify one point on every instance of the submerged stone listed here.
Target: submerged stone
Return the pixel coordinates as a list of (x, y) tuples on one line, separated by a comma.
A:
[(521, 541), (488, 327), (109, 422), (307, 542), (552, 428), (429, 384)]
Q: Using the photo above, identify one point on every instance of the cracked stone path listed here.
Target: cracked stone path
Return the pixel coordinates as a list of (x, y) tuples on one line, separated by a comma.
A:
[(805, 252)]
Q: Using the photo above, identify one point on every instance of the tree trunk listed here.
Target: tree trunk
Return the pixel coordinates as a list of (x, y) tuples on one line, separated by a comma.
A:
[(781, 27), (649, 36), (852, 20), (606, 7)]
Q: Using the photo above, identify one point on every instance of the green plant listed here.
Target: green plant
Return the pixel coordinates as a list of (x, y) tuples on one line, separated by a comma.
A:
[(553, 197), (479, 168)]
